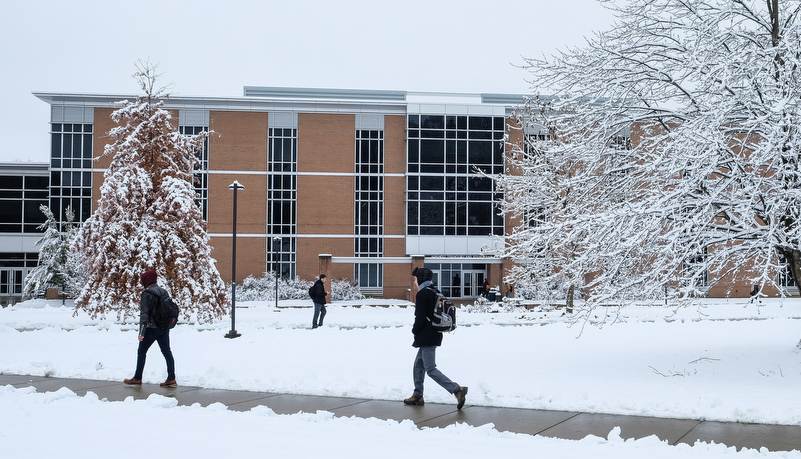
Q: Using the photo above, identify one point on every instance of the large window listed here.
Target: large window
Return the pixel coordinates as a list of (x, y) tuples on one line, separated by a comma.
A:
[(282, 197), (71, 170), (20, 198), (369, 207), (201, 175), (445, 193)]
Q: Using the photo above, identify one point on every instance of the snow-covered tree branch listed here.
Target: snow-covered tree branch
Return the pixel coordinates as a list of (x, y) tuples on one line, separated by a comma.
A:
[(708, 187), (147, 217)]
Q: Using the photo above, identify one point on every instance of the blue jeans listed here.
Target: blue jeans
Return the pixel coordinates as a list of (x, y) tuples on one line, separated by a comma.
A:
[(163, 338), (319, 310), (426, 363)]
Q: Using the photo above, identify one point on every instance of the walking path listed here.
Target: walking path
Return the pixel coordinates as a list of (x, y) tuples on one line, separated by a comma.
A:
[(559, 424)]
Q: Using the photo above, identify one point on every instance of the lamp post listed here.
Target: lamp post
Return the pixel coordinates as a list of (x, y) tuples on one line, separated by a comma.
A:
[(276, 250), (236, 186)]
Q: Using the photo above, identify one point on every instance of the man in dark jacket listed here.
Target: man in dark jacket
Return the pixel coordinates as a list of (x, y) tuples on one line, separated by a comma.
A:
[(318, 297), (426, 339), (149, 333)]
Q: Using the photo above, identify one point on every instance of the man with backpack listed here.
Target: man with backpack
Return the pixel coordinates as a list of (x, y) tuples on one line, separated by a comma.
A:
[(149, 332), (317, 293), (426, 339)]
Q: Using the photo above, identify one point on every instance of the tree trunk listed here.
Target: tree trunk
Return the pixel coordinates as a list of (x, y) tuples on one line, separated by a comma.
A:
[(570, 299)]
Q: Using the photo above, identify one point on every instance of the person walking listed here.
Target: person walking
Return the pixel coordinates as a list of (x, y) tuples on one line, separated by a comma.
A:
[(318, 297), (150, 333), (426, 340)]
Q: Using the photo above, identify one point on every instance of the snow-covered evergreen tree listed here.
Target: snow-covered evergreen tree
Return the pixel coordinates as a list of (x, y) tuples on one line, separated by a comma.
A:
[(147, 217), (58, 267), (708, 189)]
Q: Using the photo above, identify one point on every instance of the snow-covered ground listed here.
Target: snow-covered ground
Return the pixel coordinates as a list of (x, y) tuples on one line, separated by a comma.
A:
[(725, 360)]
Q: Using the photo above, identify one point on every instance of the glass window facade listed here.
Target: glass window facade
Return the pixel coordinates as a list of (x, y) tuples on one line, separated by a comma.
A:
[(201, 176), (71, 170), (369, 207), (446, 195), (282, 200)]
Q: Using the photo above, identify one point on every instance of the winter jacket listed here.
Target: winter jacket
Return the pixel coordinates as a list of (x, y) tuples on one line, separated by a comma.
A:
[(424, 333), (147, 303), (319, 292)]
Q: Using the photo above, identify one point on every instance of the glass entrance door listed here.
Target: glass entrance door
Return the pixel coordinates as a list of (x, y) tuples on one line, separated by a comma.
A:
[(472, 282)]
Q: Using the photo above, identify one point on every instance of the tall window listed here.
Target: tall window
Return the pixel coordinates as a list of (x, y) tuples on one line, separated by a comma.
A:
[(369, 207), (71, 170), (446, 196), (282, 197), (201, 175)]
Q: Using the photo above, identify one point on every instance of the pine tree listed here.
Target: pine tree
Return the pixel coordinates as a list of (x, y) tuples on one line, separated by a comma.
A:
[(147, 217), (53, 258)]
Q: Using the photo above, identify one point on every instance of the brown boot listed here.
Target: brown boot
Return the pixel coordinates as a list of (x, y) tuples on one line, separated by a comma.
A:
[(169, 383), (460, 394), (415, 400), (133, 381)]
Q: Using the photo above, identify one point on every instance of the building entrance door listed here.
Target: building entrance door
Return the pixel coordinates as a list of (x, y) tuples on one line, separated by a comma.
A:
[(472, 282)]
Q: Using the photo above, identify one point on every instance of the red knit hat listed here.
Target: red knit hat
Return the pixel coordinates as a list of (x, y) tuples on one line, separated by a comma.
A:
[(147, 278)]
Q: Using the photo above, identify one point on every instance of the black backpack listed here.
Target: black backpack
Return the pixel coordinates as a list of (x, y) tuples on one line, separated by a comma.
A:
[(444, 313), (165, 313), (311, 292)]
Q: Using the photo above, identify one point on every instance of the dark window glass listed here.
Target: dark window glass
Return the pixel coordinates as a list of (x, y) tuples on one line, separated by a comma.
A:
[(11, 182), (412, 214), (480, 184), (432, 122), (36, 183), (10, 211), (32, 212), (498, 123), (479, 213), (480, 123), (414, 121), (414, 151), (432, 151), (480, 153), (428, 182), (55, 146), (431, 213)]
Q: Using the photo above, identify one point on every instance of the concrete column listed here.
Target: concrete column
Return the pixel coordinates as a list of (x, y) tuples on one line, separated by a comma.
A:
[(324, 267)]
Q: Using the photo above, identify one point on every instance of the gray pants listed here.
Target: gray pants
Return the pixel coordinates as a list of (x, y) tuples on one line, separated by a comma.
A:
[(319, 310), (426, 363)]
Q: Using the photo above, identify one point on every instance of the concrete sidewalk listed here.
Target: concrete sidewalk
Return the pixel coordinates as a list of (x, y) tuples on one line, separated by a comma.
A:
[(559, 424)]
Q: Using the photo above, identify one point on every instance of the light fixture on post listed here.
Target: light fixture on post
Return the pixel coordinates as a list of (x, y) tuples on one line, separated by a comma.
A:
[(236, 186), (276, 251)]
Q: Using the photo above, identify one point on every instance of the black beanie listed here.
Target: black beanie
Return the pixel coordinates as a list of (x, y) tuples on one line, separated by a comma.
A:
[(422, 275)]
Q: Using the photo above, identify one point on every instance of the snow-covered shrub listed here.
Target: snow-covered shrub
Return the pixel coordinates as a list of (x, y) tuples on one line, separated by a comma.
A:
[(263, 289)]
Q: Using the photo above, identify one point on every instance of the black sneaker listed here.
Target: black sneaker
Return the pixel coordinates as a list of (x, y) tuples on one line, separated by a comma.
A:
[(415, 400), (460, 394)]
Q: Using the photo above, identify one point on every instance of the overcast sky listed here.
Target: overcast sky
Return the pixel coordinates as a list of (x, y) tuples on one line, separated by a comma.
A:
[(214, 48)]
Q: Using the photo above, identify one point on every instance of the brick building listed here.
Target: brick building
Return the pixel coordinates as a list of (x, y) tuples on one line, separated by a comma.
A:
[(359, 184)]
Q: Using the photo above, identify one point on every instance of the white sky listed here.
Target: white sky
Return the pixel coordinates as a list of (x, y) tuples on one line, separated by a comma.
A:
[(206, 48)]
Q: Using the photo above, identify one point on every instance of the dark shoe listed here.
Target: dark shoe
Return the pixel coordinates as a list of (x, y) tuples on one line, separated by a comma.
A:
[(460, 394), (415, 400), (133, 381), (169, 383)]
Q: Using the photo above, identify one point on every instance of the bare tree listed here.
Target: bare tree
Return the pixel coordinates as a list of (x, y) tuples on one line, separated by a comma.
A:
[(673, 157)]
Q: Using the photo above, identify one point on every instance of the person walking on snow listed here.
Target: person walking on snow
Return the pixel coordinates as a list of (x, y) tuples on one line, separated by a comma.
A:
[(426, 339), (319, 301), (150, 333)]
